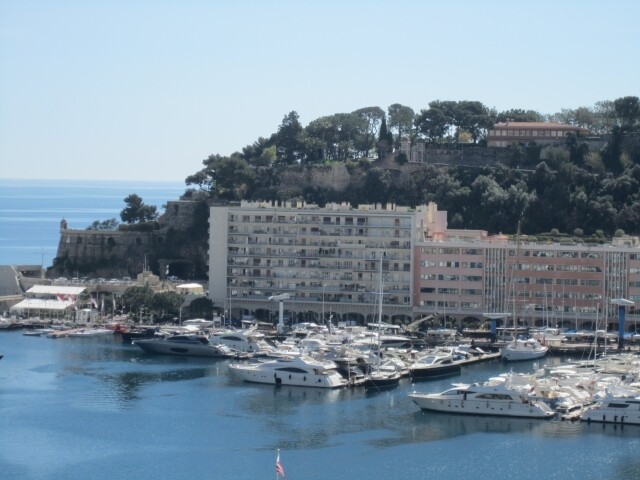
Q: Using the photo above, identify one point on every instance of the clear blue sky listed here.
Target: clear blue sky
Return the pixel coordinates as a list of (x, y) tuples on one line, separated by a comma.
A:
[(148, 89)]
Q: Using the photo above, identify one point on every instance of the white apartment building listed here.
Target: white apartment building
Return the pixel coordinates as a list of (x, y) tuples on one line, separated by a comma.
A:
[(327, 259)]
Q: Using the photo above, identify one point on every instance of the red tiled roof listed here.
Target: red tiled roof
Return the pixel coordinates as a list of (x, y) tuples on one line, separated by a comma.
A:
[(537, 125)]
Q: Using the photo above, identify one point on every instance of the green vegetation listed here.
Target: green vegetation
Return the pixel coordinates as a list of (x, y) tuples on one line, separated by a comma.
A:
[(568, 187), (136, 211)]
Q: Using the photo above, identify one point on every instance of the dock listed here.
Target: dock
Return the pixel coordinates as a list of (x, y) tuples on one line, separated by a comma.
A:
[(483, 357), (62, 333)]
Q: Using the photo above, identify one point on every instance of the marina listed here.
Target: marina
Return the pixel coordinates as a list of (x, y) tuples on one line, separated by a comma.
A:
[(121, 412), (188, 417)]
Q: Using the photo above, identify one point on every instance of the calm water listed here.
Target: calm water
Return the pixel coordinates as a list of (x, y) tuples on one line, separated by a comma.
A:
[(31, 210), (97, 409)]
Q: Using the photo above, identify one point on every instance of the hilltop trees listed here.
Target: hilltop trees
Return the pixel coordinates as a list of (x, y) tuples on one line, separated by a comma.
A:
[(230, 178), (570, 187), (446, 120), (137, 212), (400, 119)]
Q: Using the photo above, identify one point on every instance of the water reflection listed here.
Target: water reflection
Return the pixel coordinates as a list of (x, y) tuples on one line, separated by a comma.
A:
[(126, 387)]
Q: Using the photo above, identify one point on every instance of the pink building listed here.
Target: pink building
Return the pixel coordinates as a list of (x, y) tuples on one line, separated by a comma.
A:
[(469, 274)]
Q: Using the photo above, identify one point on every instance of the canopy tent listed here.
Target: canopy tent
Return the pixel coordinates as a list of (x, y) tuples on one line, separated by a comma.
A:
[(193, 288), (41, 304), (38, 307)]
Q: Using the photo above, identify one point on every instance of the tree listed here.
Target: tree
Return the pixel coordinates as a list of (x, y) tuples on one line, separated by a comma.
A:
[(136, 211), (605, 116), (288, 146), (166, 303), (201, 307), (628, 111), (261, 153), (433, 123), (470, 116), (136, 298), (233, 176), (371, 118), (519, 115), (225, 177), (400, 119), (384, 145), (106, 225)]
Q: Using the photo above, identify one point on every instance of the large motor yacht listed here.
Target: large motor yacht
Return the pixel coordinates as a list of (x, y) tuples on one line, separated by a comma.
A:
[(187, 345), (615, 408), (301, 371), (490, 398)]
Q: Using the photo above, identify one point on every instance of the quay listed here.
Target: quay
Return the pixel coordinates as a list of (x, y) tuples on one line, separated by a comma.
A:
[(63, 333)]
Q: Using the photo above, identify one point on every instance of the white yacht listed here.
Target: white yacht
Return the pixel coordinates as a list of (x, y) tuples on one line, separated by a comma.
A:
[(90, 332), (518, 350), (185, 345), (246, 340), (615, 408), (490, 398), (301, 371)]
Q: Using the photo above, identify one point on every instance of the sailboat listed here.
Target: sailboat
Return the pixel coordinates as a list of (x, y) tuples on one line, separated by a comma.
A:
[(383, 375), (520, 349)]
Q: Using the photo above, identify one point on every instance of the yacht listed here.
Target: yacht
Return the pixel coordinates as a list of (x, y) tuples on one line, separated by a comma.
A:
[(615, 408), (186, 345), (90, 332), (242, 340), (382, 377), (518, 350), (489, 398), (301, 371), (437, 363)]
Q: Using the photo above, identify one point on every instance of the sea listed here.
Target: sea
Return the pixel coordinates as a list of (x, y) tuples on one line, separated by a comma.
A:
[(31, 211), (97, 408)]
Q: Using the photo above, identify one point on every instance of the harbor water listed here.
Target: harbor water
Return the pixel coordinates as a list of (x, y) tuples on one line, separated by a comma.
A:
[(95, 408)]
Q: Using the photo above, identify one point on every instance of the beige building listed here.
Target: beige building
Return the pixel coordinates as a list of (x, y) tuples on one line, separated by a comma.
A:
[(327, 259), (504, 134)]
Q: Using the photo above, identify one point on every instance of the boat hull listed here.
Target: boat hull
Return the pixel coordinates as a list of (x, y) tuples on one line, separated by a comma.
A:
[(424, 373), (518, 356), (620, 416), (381, 382), (253, 374), (187, 350)]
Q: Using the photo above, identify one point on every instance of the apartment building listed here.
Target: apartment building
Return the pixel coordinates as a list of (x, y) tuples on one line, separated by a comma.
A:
[(327, 260), (472, 276)]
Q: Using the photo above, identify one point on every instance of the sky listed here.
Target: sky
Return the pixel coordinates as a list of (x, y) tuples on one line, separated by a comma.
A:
[(146, 90)]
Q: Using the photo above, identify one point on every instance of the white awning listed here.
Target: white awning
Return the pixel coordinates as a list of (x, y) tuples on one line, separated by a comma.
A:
[(55, 290), (40, 304), (190, 286)]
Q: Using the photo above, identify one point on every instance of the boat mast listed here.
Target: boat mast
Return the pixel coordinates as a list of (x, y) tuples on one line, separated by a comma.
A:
[(380, 307), (513, 283)]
